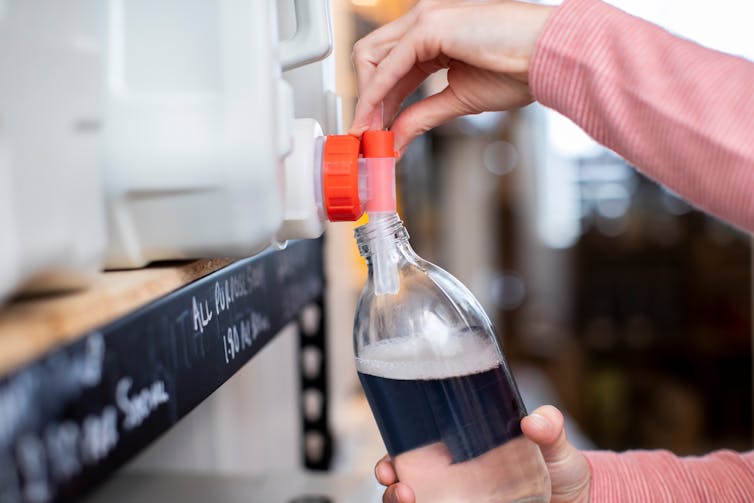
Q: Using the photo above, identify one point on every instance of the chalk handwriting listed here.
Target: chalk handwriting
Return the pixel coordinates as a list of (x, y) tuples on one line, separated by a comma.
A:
[(136, 408), (62, 442), (15, 403), (89, 368), (229, 290), (259, 324), (32, 464), (254, 277), (69, 372), (241, 336), (66, 448), (201, 314), (99, 435)]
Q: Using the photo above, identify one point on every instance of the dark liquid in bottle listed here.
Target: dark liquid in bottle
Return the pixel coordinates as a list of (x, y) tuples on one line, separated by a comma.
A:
[(470, 414)]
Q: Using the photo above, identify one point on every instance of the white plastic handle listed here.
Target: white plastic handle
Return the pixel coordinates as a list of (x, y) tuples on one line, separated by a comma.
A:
[(313, 38)]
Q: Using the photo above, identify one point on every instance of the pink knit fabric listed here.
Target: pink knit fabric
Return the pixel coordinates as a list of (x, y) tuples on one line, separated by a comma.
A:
[(684, 115), (679, 112), (648, 476)]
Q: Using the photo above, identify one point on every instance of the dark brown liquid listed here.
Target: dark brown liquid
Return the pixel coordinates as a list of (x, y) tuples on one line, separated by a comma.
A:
[(470, 414)]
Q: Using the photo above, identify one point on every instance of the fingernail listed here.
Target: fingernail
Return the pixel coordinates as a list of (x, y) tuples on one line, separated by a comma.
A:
[(357, 129), (379, 472), (539, 421), (403, 493)]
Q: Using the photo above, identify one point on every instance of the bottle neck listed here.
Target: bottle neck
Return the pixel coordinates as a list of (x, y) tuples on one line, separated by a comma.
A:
[(384, 229)]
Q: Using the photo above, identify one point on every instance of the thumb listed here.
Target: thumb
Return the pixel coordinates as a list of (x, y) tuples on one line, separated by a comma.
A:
[(570, 474), (546, 428), (425, 115)]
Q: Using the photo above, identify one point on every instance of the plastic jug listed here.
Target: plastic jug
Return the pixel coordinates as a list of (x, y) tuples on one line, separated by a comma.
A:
[(52, 225), (199, 121), (438, 384), (140, 131)]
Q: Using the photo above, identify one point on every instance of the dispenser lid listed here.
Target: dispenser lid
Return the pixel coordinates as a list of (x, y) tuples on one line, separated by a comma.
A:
[(378, 143), (340, 178)]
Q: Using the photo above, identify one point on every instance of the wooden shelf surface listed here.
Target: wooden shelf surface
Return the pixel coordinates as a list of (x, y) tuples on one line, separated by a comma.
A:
[(31, 327)]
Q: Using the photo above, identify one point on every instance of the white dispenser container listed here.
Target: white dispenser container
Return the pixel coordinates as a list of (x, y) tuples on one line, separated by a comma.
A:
[(52, 233), (167, 119), (199, 121)]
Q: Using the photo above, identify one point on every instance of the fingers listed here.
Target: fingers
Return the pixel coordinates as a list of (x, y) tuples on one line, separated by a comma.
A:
[(370, 50), (395, 98), (424, 115), (398, 493), (570, 475), (545, 427), (493, 37), (388, 73), (385, 472), (367, 55)]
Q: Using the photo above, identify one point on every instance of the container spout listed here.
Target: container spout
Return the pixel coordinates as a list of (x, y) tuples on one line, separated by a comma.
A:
[(377, 168)]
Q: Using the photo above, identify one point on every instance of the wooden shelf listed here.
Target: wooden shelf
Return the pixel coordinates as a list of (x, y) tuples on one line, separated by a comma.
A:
[(31, 327), (91, 378)]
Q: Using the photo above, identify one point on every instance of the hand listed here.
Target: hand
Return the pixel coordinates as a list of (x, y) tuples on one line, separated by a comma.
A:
[(570, 475), (486, 47)]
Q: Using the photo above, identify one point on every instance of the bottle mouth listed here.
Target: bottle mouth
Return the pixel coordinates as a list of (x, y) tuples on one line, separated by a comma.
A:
[(381, 226)]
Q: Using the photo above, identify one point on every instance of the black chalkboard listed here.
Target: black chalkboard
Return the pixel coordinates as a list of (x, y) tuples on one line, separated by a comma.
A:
[(72, 417)]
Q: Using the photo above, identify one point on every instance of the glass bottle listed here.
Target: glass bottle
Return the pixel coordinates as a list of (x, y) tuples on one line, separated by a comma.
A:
[(437, 382)]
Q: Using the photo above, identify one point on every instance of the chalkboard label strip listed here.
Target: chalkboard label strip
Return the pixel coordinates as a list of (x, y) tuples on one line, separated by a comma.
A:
[(74, 416)]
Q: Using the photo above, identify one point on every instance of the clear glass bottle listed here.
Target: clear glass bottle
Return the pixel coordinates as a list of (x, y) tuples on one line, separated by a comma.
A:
[(439, 387)]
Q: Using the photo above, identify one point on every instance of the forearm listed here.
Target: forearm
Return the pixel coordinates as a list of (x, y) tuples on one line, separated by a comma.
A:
[(681, 113), (641, 476)]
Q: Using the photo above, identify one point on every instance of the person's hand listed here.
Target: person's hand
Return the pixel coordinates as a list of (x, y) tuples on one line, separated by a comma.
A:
[(570, 476), (486, 47)]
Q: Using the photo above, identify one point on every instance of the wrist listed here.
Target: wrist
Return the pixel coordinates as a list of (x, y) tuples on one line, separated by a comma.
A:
[(520, 26), (538, 15)]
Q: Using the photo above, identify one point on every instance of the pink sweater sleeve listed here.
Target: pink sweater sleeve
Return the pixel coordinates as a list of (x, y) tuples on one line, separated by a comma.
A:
[(684, 115), (643, 476), (681, 113)]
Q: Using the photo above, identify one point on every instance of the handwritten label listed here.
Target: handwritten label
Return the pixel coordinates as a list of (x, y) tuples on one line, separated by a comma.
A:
[(225, 293), (69, 373), (15, 403), (66, 448), (201, 314), (63, 451), (230, 290), (32, 463), (99, 435), (237, 330), (62, 442), (241, 336), (137, 407)]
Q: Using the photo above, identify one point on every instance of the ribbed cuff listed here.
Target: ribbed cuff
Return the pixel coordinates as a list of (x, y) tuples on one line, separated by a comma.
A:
[(607, 477), (640, 476)]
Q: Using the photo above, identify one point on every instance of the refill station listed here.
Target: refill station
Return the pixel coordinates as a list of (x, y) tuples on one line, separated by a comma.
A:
[(136, 137)]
